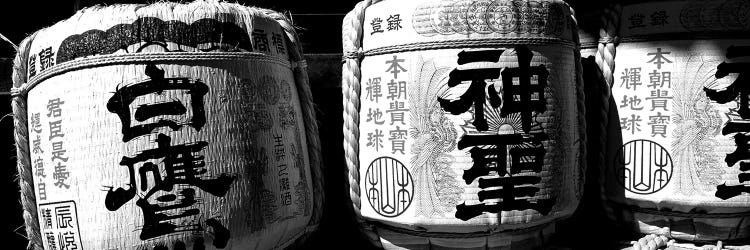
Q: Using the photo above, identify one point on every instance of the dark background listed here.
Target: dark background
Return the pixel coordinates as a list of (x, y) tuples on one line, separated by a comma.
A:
[(320, 33)]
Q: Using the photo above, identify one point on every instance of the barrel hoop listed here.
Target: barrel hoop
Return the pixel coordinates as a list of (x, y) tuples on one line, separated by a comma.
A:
[(448, 235), (678, 214), (469, 43), (589, 45), (686, 36), (105, 60)]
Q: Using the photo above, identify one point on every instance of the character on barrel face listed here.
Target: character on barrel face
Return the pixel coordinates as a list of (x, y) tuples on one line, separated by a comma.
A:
[(389, 186), (506, 154), (166, 177), (738, 124)]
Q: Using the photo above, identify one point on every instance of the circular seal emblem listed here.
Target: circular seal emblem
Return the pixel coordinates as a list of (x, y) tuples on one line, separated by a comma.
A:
[(537, 17), (643, 167), (421, 19), (524, 20), (440, 19), (389, 186), (690, 17), (269, 90), (477, 16), (458, 16), (502, 17)]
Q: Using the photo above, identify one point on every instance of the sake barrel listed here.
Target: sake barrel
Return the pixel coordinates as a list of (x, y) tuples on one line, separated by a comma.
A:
[(463, 121), (677, 155), (166, 126)]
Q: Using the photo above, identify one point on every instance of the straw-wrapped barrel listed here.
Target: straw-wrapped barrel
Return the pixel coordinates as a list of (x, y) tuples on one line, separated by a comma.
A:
[(463, 121), (166, 126), (677, 161)]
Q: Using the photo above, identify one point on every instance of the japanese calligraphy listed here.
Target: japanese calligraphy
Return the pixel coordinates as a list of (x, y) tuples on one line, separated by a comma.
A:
[(659, 99), (397, 110), (658, 79), (738, 118), (58, 158), (492, 156), (475, 94), (375, 116), (394, 22), (505, 191), (632, 123), (46, 59), (375, 139), (278, 43), (659, 18), (398, 140), (260, 40), (279, 151), (32, 65), (388, 120), (527, 96), (394, 66), (166, 114), (396, 89), (36, 123), (633, 102), (166, 176), (636, 21), (35, 127), (659, 58), (631, 78), (655, 106), (372, 89), (656, 18), (658, 124), (59, 225), (376, 25)]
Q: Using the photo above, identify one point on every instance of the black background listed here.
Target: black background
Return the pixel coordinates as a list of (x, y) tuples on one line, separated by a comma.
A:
[(320, 33)]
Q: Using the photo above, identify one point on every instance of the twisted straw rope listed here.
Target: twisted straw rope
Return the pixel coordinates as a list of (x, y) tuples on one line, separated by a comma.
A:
[(21, 134), (661, 239), (605, 59), (608, 40), (580, 97), (351, 31)]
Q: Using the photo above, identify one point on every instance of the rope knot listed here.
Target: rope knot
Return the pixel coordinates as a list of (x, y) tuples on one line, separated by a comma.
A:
[(299, 64), (358, 55), (609, 39), (16, 92)]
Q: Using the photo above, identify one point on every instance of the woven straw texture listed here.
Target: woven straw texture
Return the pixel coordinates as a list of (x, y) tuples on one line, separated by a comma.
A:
[(166, 126)]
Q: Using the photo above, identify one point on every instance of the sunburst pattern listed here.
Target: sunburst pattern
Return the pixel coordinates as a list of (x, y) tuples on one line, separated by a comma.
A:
[(697, 165)]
